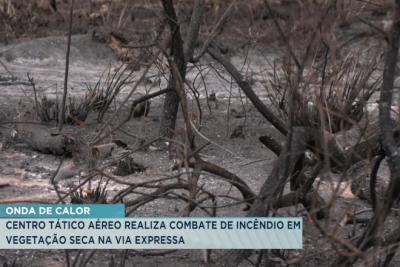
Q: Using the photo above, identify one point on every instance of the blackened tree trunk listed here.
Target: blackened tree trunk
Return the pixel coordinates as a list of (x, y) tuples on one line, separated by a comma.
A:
[(180, 55), (171, 102), (375, 229)]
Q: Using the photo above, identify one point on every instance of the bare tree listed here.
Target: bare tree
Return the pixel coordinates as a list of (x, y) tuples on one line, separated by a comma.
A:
[(180, 53), (372, 235)]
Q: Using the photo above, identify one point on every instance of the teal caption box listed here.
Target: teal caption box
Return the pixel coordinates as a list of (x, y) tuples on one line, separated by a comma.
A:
[(153, 233), (65, 211)]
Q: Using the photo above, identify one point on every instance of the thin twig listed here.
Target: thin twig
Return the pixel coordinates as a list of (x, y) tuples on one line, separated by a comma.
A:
[(31, 81), (61, 116)]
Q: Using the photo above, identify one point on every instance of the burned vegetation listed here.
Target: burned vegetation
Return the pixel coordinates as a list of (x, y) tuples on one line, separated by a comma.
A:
[(207, 108)]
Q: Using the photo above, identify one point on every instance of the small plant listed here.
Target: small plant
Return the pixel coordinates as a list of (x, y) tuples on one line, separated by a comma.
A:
[(104, 92), (332, 96), (76, 112), (90, 196), (47, 109)]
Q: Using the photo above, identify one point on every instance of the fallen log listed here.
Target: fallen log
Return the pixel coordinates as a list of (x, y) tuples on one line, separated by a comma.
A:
[(42, 138), (103, 151)]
